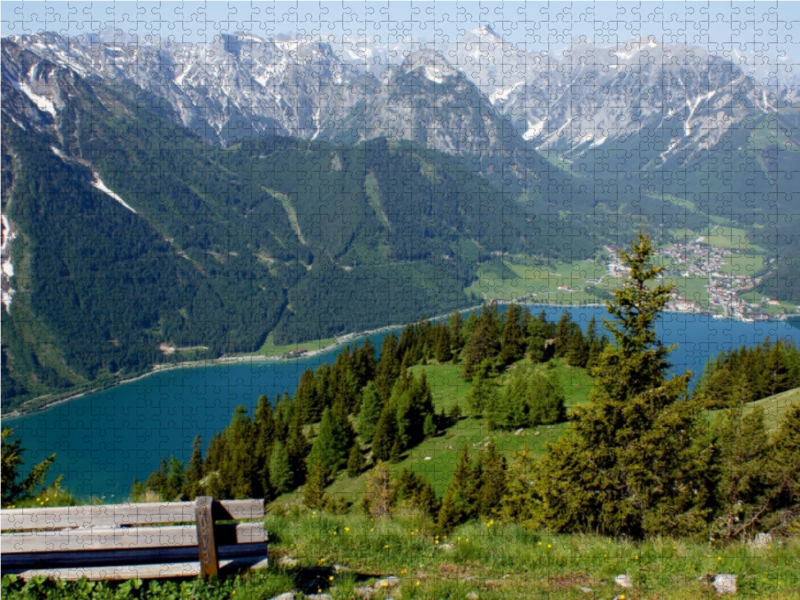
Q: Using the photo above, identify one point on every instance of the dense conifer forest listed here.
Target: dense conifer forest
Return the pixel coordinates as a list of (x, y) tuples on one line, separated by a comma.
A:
[(642, 458)]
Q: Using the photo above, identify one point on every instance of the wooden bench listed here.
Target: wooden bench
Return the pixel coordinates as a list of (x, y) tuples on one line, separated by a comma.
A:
[(128, 541)]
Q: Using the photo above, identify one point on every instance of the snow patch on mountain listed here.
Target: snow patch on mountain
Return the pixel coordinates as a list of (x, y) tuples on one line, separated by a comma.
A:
[(98, 183), (7, 269), (43, 103)]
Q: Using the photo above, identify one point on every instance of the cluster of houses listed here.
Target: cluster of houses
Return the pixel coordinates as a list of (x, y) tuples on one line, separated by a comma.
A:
[(698, 259)]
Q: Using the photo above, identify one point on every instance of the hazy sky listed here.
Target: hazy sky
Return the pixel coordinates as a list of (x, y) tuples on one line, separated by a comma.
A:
[(753, 29)]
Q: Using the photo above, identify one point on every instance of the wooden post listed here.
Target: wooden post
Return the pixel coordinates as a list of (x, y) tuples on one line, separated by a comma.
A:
[(206, 544)]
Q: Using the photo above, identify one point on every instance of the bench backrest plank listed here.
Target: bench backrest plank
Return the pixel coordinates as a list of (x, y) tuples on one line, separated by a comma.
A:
[(105, 538), (116, 515)]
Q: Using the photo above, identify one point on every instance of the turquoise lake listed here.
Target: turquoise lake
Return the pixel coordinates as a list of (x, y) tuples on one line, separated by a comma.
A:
[(103, 440)]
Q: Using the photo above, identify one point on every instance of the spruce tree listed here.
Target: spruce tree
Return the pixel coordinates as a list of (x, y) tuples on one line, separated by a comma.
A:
[(364, 363), (388, 369), (240, 472), (786, 463), (455, 325), (379, 495), (629, 465), (458, 504), (314, 489), (517, 504), (280, 469), (194, 471), (385, 435), (332, 445), (442, 346), (483, 343), (547, 399), (429, 426), (563, 334), (492, 481), (479, 395), (266, 431), (513, 341), (355, 462), (578, 350), (297, 448), (537, 339), (307, 399), (745, 479), (371, 407)]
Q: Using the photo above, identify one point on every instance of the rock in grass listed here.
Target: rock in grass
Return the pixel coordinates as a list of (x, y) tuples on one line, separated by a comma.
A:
[(762, 540), (623, 581), (585, 590), (472, 596), (339, 568), (320, 597), (725, 584), (363, 592), (287, 561), (388, 582), (285, 596)]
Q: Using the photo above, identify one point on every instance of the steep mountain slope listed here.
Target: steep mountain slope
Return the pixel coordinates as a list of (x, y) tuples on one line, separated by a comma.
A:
[(134, 235)]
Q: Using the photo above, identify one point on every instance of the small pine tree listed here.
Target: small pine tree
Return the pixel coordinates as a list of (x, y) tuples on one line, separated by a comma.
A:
[(331, 446), (577, 354), (563, 334), (786, 464), (355, 462), (483, 343), (379, 495), (395, 456), (547, 399), (455, 325), (389, 367), (513, 341), (297, 448), (517, 504), (14, 491), (385, 435), (744, 485), (457, 505), (194, 471), (314, 489), (492, 481), (482, 389), (371, 407), (429, 426), (280, 469)]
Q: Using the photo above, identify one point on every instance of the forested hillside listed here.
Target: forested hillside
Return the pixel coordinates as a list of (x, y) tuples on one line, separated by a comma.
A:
[(639, 457), (132, 232)]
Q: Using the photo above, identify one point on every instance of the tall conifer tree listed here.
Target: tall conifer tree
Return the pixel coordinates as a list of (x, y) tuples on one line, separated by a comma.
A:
[(629, 466)]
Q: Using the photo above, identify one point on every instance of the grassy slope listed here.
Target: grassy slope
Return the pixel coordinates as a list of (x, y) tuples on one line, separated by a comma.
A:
[(500, 561), (448, 389), (775, 406)]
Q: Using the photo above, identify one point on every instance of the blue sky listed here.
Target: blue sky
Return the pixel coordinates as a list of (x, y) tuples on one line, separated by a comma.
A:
[(751, 28)]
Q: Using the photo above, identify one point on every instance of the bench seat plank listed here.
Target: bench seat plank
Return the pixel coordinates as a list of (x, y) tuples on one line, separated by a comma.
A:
[(105, 538), (121, 573), (98, 558), (116, 515)]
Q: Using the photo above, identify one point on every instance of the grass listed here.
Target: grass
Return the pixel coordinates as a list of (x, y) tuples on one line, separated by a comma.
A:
[(435, 458), (337, 555), (507, 561), (775, 407), (542, 281), (270, 348)]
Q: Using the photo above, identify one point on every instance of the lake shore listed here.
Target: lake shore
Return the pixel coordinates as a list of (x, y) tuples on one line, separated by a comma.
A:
[(242, 358)]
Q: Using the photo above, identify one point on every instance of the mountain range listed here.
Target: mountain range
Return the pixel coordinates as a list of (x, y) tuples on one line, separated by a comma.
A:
[(209, 196)]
